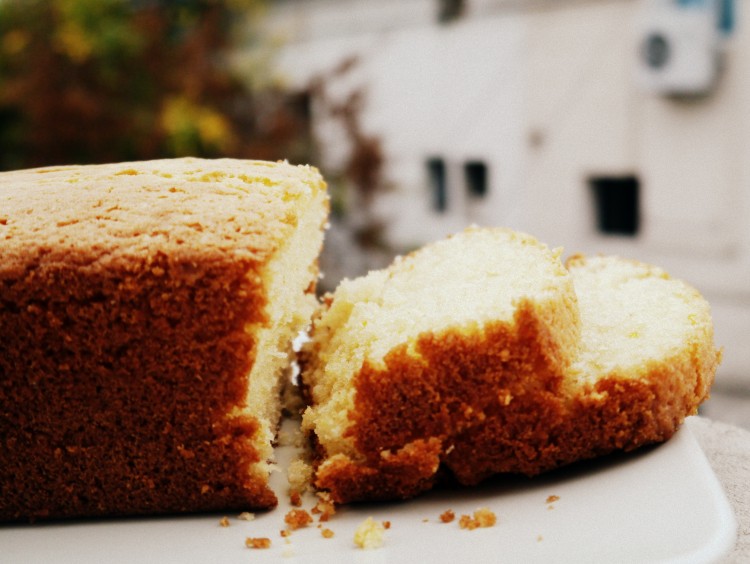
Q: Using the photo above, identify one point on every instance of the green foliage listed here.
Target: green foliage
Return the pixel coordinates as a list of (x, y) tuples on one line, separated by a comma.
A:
[(109, 80)]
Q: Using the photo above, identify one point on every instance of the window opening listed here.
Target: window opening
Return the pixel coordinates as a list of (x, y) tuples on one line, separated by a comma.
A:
[(475, 176), (438, 183), (449, 10), (616, 204)]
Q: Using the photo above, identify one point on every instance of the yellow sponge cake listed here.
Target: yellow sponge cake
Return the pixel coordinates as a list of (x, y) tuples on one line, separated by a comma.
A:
[(483, 354)]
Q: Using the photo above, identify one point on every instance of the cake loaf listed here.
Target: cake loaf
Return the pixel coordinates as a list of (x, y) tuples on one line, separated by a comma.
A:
[(147, 312), (482, 354)]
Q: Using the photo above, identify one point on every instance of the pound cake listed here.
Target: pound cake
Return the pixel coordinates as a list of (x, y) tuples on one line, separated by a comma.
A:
[(405, 364), (483, 354), (647, 358), (147, 312)]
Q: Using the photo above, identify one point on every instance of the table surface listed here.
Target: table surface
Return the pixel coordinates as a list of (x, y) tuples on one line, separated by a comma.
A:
[(728, 451)]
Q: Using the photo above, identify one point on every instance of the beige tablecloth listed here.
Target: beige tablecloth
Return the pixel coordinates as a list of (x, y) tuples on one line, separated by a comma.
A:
[(728, 450)]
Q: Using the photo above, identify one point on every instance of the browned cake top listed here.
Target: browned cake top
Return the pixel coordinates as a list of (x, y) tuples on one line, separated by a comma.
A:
[(185, 207)]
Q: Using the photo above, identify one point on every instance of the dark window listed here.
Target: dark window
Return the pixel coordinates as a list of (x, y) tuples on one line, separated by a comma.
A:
[(475, 176), (449, 10), (616, 204), (438, 184)]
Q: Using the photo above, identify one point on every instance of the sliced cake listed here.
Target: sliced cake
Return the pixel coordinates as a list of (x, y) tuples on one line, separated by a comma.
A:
[(482, 354), (409, 366)]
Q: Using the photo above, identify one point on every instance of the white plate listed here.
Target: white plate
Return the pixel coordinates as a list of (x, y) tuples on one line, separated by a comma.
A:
[(662, 504)]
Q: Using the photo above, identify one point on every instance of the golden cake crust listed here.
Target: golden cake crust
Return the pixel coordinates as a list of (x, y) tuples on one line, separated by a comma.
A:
[(129, 295)]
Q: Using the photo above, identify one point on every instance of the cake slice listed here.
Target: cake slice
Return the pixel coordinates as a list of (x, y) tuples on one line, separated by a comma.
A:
[(647, 357), (147, 312), (416, 366), (476, 356)]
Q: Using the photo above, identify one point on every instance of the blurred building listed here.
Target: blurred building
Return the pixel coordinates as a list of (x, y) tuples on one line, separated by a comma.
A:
[(615, 126)]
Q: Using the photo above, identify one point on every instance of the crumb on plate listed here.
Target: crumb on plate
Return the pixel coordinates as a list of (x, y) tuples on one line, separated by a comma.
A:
[(447, 516), (483, 517), (258, 542), (325, 507), (370, 534), (298, 518), (299, 475)]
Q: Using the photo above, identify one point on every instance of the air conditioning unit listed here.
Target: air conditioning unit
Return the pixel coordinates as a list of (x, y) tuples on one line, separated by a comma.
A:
[(678, 46)]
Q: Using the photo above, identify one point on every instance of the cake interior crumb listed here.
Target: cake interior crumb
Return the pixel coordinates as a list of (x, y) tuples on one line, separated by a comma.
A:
[(482, 518), (447, 516), (258, 542), (370, 534), (297, 518), (325, 508)]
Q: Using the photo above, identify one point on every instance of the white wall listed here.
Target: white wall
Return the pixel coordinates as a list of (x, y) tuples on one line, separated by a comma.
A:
[(589, 116), (544, 93)]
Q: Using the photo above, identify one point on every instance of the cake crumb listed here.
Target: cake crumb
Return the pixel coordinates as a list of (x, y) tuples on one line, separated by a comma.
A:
[(369, 534), (299, 475), (246, 516), (386, 525), (327, 533), (483, 517), (325, 507), (466, 522), (224, 521), (285, 533), (258, 542), (550, 500), (287, 438), (447, 516), (295, 498), (539, 538), (298, 518)]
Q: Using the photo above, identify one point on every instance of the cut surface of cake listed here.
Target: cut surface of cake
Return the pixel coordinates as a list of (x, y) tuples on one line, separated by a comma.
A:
[(406, 366), (647, 359), (147, 312), (482, 354)]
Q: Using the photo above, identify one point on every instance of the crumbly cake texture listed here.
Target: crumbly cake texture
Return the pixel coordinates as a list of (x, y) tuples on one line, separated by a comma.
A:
[(647, 361), (147, 312), (419, 365), (483, 354)]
